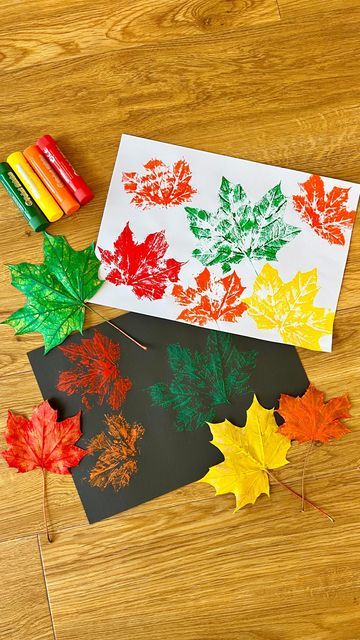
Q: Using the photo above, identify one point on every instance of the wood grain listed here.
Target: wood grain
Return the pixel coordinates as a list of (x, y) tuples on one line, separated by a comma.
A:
[(208, 573), (24, 605), (276, 82), (78, 29), (292, 9)]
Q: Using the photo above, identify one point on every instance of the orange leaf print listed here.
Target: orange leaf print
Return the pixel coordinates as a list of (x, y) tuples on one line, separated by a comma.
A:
[(309, 418), (213, 299), (326, 213), (118, 449), (160, 185)]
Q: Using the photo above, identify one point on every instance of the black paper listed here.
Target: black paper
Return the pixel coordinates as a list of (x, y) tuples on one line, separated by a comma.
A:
[(168, 459)]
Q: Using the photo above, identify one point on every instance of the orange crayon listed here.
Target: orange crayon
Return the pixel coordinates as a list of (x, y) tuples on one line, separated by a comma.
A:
[(51, 180)]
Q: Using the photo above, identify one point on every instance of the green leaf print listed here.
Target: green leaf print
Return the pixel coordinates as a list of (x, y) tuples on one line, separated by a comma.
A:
[(202, 381), (239, 230)]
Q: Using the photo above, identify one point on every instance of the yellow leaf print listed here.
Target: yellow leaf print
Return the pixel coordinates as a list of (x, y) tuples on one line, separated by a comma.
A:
[(249, 452), (289, 307)]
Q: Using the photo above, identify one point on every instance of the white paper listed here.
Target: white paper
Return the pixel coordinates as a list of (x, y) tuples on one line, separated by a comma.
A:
[(306, 251)]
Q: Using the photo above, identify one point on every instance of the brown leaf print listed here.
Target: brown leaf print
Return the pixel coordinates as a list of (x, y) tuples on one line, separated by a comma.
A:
[(119, 447)]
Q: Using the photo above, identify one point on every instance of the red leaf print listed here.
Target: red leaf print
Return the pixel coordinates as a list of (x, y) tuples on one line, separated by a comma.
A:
[(96, 371), (41, 442), (161, 184), (142, 265), (119, 447), (326, 213), (217, 299)]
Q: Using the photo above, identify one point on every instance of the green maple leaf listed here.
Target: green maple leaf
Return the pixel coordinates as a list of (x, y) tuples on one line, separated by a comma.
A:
[(56, 290), (238, 229), (202, 381)]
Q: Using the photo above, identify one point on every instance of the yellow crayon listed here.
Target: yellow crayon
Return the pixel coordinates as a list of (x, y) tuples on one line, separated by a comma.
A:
[(35, 187)]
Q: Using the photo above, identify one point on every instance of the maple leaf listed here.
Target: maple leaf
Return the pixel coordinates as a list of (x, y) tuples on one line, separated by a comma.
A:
[(310, 418), (56, 291), (96, 371), (326, 213), (288, 307), (239, 230), (119, 447), (41, 442), (202, 381), (161, 185), (141, 266), (249, 453), (213, 299)]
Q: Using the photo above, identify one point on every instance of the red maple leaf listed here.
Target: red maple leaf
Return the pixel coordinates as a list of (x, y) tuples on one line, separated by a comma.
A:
[(310, 418), (41, 442), (96, 371), (326, 213), (142, 265), (217, 299), (160, 185)]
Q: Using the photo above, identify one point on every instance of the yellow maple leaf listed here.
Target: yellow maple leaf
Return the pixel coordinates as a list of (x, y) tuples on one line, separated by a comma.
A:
[(289, 307), (249, 452)]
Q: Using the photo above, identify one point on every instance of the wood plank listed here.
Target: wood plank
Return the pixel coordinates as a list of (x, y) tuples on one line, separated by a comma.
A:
[(294, 9), (272, 115), (199, 571), (77, 28), (24, 609)]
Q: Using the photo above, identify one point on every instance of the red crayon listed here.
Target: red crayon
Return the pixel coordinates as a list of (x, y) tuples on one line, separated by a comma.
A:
[(66, 171)]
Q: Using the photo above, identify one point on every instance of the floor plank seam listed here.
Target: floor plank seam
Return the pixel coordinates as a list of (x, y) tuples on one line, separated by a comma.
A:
[(46, 587)]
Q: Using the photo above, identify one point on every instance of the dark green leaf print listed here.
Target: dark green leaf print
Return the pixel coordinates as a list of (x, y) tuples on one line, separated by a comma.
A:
[(239, 230), (202, 381)]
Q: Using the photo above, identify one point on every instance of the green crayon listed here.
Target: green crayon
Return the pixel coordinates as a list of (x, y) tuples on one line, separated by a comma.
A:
[(22, 199)]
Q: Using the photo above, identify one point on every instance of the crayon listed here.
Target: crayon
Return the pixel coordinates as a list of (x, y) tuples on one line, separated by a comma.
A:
[(51, 180), (22, 199), (66, 171), (34, 186)]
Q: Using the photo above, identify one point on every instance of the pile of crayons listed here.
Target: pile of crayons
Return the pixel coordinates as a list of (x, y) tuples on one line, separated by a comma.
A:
[(43, 184)]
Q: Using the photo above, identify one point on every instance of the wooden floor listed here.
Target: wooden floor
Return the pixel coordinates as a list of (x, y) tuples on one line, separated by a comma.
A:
[(275, 81)]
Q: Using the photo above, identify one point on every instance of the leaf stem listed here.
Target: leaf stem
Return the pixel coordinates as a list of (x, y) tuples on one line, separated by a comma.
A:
[(142, 346), (45, 506), (252, 264), (295, 493), (311, 444)]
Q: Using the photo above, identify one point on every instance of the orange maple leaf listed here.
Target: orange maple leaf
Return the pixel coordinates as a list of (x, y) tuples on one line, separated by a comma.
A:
[(117, 462), (309, 418), (326, 213), (213, 299), (160, 185)]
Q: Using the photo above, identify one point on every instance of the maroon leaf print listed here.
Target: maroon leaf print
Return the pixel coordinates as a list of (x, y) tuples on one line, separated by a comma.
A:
[(161, 185), (96, 371), (142, 265)]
